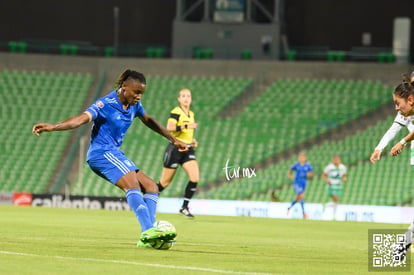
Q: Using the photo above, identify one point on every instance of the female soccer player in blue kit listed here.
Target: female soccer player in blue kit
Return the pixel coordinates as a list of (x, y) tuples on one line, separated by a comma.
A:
[(303, 171), (112, 115)]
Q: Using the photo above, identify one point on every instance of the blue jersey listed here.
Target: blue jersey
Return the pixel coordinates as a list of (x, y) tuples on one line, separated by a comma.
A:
[(301, 172), (111, 121)]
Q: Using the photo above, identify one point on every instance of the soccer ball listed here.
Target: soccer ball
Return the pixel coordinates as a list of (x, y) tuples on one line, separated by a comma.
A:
[(164, 226)]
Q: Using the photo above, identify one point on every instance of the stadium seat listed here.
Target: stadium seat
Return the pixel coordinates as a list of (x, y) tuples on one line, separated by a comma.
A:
[(20, 47), (12, 46), (160, 52), (336, 56), (68, 49), (246, 54), (386, 57), (109, 51), (291, 55)]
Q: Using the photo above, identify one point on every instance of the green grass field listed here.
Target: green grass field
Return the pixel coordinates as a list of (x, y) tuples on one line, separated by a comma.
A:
[(73, 241)]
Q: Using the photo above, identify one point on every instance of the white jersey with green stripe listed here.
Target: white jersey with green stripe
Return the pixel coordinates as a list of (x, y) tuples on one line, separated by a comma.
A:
[(335, 173)]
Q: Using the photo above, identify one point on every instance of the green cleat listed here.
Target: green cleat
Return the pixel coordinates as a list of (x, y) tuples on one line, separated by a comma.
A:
[(168, 236), (156, 234), (151, 234), (141, 244)]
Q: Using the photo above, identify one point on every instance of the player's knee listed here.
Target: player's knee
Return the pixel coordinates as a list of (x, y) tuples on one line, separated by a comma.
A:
[(128, 186), (127, 183), (150, 187)]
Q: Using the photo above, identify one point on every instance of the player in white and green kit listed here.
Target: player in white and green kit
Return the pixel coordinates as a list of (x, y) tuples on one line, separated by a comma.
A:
[(398, 124), (334, 175)]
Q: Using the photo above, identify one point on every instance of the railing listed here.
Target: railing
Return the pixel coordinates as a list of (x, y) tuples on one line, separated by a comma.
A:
[(294, 53)]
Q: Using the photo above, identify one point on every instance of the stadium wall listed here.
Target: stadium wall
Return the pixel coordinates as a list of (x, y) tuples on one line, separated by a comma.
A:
[(337, 24), (210, 35), (316, 211), (262, 71), (92, 20)]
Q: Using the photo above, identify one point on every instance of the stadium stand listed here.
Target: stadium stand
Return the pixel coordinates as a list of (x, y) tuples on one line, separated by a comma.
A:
[(270, 124), (28, 163), (240, 136), (385, 183)]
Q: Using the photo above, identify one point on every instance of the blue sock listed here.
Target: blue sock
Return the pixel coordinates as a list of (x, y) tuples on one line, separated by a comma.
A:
[(137, 204), (292, 204), (151, 200), (302, 203)]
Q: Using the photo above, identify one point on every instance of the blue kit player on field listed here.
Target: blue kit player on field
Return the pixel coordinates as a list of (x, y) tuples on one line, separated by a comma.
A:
[(303, 171), (112, 115)]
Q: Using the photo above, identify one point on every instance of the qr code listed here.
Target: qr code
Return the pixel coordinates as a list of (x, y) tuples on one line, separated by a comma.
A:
[(388, 250)]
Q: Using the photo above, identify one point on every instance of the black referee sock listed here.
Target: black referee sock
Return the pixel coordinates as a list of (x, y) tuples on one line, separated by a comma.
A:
[(160, 187), (189, 192)]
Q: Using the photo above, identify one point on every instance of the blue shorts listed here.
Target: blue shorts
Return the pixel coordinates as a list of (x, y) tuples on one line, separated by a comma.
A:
[(299, 188), (111, 165)]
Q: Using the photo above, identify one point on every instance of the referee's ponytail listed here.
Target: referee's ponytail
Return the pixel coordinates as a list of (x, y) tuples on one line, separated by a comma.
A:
[(130, 74)]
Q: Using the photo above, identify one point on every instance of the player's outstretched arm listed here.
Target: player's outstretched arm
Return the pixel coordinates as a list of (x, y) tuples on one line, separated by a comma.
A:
[(386, 139), (68, 124), (151, 123)]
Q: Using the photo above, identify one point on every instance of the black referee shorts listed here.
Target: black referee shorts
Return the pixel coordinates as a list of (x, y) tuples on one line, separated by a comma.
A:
[(173, 157)]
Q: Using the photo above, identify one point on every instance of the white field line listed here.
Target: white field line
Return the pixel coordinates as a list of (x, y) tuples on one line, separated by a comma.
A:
[(133, 263)]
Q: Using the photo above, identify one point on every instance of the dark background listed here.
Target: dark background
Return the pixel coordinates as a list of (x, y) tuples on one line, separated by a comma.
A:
[(338, 24)]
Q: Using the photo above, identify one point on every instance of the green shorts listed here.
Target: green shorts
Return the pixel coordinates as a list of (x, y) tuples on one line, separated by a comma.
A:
[(335, 190)]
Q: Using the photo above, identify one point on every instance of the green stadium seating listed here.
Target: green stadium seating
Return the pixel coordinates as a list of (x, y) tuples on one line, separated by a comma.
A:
[(203, 53), (386, 57), (260, 131), (338, 56), (388, 182), (273, 122), (17, 46), (69, 49), (155, 52), (28, 162)]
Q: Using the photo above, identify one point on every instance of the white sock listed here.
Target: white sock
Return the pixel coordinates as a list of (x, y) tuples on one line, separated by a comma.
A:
[(335, 206)]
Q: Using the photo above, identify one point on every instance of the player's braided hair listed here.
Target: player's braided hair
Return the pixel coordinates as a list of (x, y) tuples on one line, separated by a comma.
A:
[(130, 74)]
